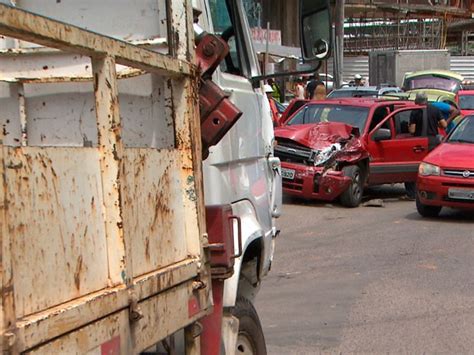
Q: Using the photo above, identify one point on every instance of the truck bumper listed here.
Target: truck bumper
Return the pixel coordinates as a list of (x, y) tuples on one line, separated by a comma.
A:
[(314, 182)]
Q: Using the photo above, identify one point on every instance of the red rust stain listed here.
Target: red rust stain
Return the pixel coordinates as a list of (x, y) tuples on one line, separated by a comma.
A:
[(163, 213), (77, 273)]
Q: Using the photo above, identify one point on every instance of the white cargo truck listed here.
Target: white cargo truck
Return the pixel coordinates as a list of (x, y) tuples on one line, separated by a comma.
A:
[(116, 234)]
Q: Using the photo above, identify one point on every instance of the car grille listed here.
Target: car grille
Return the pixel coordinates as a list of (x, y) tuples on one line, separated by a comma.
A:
[(467, 174), (289, 151)]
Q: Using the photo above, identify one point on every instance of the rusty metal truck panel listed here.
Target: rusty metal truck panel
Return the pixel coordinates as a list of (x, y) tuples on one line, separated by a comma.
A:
[(101, 203)]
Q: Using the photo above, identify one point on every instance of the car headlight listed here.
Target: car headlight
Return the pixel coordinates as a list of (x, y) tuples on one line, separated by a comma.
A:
[(426, 169), (324, 155)]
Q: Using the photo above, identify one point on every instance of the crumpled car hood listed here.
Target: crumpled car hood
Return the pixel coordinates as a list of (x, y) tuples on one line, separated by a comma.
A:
[(322, 136)]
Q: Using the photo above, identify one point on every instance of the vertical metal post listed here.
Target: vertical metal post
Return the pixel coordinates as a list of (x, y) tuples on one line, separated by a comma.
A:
[(8, 344), (339, 29), (111, 163), (22, 110), (267, 35)]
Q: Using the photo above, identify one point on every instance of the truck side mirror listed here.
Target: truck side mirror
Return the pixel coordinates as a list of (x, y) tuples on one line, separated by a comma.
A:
[(315, 29)]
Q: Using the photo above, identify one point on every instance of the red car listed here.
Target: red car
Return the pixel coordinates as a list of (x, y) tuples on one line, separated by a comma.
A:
[(446, 175), (333, 148), (465, 100)]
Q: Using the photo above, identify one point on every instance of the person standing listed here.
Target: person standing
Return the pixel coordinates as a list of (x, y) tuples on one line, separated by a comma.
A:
[(435, 119), (311, 86), (299, 89), (276, 89), (319, 92), (273, 108), (358, 80), (450, 111)]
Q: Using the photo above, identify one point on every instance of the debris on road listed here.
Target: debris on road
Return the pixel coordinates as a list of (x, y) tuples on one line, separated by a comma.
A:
[(378, 202)]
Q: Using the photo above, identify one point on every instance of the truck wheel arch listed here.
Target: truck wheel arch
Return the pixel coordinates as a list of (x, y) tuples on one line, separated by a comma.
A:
[(253, 249)]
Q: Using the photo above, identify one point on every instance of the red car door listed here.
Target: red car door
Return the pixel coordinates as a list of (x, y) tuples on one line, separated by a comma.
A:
[(395, 158)]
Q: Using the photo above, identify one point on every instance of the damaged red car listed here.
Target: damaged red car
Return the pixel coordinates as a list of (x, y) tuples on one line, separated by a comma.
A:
[(334, 148)]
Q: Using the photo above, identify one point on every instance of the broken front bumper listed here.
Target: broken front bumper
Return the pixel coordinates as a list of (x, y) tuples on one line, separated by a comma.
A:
[(313, 182)]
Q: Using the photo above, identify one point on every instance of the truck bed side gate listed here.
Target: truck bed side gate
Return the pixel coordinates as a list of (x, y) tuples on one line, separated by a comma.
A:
[(102, 232)]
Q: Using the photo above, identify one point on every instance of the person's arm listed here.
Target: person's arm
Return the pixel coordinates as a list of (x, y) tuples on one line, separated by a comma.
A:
[(441, 120), (412, 125), (453, 113)]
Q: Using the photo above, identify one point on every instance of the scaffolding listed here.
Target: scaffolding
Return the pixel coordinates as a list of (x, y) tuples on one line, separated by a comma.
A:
[(362, 34)]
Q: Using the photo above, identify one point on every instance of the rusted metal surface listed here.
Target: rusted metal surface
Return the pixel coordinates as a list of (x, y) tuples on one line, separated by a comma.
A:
[(53, 322), (43, 65), (55, 220), (153, 185), (91, 338), (10, 117), (111, 165), (143, 334), (59, 35), (108, 211)]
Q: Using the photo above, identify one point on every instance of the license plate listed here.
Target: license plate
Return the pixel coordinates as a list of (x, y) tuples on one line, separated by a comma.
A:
[(287, 174), (461, 194)]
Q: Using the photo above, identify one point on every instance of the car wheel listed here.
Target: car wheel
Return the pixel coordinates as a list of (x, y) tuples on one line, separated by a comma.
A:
[(353, 195), (425, 210), (250, 339)]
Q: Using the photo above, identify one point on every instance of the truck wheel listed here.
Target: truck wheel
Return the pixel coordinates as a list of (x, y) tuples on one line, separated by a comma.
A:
[(353, 195), (250, 339), (425, 210)]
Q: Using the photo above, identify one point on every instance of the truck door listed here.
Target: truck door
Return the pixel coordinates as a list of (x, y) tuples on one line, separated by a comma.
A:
[(395, 157), (241, 169)]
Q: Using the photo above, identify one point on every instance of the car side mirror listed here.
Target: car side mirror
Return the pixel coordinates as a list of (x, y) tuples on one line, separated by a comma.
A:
[(382, 134)]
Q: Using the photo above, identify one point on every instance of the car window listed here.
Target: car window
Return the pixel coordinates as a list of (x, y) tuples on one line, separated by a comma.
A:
[(466, 102), (464, 131), (379, 114), (402, 122), (352, 115), (432, 81)]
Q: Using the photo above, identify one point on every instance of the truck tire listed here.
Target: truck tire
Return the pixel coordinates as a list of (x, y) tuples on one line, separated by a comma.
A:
[(250, 339), (425, 210), (353, 195)]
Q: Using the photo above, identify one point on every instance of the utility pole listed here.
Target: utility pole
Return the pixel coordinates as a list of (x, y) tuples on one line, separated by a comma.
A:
[(339, 42)]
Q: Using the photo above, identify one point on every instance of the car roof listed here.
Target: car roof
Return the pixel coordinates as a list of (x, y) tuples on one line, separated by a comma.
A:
[(355, 88), (357, 101), (447, 73)]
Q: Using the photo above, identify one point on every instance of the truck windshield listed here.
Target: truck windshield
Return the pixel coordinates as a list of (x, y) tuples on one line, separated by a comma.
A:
[(314, 113), (466, 102), (431, 81), (464, 132)]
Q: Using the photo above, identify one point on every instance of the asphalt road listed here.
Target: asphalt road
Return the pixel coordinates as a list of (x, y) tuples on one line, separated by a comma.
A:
[(370, 280)]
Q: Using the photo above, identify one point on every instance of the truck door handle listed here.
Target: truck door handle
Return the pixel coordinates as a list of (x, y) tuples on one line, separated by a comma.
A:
[(418, 149), (239, 237)]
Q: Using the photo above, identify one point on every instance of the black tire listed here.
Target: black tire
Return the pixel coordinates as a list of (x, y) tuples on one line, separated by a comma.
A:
[(425, 210), (410, 189), (353, 195), (250, 339)]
